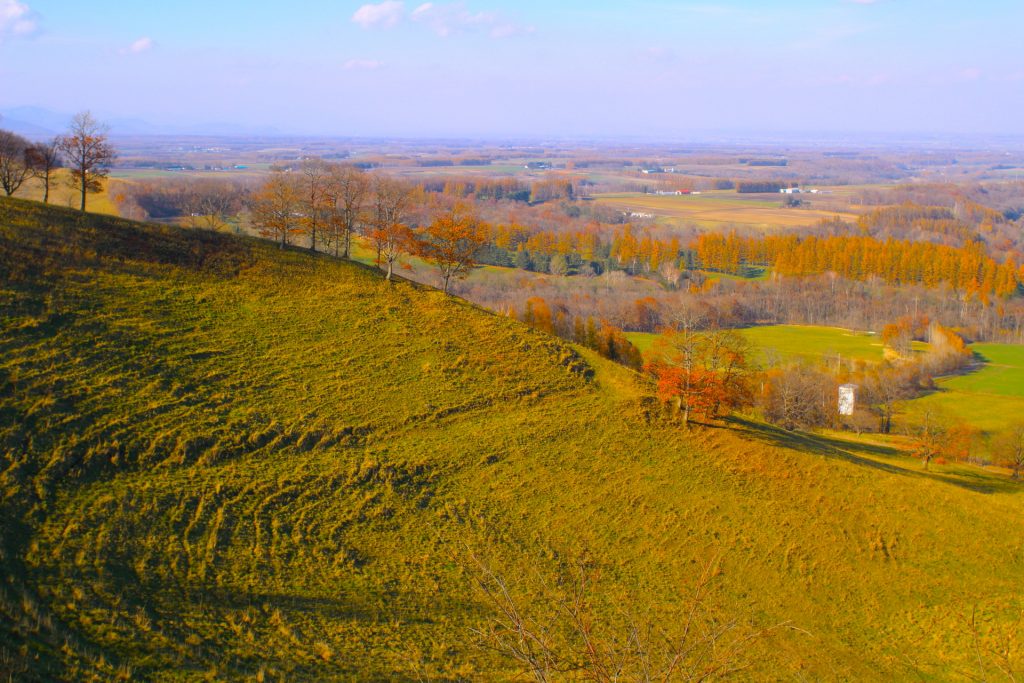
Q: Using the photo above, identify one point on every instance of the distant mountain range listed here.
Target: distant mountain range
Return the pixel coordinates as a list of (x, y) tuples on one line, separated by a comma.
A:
[(38, 122)]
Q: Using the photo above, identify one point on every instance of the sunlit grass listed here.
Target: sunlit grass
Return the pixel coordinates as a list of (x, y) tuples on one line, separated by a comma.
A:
[(63, 194), (783, 343), (222, 460)]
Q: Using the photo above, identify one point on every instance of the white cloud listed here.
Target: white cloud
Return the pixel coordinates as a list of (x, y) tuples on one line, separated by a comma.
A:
[(16, 19), (863, 2), (139, 46), (383, 15), (362, 65), (446, 19)]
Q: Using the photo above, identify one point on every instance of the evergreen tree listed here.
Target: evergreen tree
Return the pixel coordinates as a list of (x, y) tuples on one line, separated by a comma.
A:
[(523, 260)]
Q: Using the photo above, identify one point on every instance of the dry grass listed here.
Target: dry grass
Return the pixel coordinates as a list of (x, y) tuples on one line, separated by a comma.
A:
[(225, 461), (64, 195)]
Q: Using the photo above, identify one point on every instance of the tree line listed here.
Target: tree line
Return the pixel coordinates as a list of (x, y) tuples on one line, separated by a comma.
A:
[(969, 270), (600, 335), (329, 204), (84, 149)]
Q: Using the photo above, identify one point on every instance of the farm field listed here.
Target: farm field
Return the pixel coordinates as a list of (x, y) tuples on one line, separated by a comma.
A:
[(715, 209), (780, 343), (754, 274), (226, 461), (990, 398), (251, 172), (1003, 374)]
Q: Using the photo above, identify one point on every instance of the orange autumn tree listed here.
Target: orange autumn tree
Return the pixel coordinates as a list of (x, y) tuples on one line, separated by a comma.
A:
[(968, 269), (611, 343), (452, 241), (537, 314), (702, 373)]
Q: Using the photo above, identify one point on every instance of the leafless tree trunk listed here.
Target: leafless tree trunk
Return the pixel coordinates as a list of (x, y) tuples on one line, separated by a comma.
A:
[(315, 179), (560, 631), (15, 161), (347, 190), (89, 153), (45, 158), (390, 233), (274, 208)]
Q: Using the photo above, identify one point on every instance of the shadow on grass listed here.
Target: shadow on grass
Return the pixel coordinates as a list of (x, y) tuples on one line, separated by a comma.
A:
[(858, 453), (379, 607)]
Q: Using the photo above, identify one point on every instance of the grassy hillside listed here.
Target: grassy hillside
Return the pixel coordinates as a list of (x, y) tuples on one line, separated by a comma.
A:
[(64, 194), (219, 461)]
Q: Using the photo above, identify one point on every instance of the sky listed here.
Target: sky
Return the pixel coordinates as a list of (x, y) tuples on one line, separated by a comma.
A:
[(525, 68)]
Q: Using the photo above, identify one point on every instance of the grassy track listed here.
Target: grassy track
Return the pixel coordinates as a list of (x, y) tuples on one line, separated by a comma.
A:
[(221, 461)]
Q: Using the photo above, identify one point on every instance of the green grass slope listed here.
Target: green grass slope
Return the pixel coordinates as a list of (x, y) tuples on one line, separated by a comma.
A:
[(990, 397), (221, 461)]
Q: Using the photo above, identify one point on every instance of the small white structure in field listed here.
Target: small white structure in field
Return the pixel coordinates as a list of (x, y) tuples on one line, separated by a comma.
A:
[(847, 399)]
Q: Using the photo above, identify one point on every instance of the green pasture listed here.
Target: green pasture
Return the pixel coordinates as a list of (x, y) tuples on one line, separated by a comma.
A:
[(784, 343), (989, 397)]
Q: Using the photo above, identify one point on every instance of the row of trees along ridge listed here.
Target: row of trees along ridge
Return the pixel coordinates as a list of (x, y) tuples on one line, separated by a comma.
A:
[(85, 149)]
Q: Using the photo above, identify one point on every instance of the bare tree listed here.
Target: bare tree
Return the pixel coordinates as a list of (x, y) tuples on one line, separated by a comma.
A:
[(15, 161), (929, 434), (218, 201), (347, 189), (88, 152), (315, 175), (560, 631), (885, 387), (389, 231), (275, 208), (189, 199), (1008, 448), (800, 396), (204, 202), (44, 158)]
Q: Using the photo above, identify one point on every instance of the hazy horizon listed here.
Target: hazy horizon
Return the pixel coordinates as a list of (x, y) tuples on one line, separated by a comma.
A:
[(498, 69)]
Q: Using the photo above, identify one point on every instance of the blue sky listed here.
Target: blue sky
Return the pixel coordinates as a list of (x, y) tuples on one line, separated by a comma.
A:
[(528, 68)]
